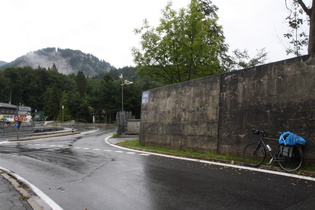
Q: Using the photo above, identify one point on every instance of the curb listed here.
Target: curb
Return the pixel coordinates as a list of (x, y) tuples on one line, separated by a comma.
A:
[(21, 188)]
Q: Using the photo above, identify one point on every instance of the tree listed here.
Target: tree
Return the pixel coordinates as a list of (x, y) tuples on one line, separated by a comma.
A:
[(64, 108), (241, 59), (78, 107), (52, 106), (295, 22), (110, 97), (54, 67), (297, 36), (81, 83), (4, 88), (15, 84), (188, 44)]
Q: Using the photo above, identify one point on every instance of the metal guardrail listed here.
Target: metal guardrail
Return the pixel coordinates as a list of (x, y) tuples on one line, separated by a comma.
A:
[(11, 130)]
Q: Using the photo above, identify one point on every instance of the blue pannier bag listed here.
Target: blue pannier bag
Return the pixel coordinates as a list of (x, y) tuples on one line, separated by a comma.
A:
[(288, 138)]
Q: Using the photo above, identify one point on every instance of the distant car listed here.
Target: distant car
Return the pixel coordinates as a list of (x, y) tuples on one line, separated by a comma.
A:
[(3, 120)]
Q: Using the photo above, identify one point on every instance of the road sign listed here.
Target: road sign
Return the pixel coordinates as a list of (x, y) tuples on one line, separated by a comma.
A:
[(19, 118), (16, 124)]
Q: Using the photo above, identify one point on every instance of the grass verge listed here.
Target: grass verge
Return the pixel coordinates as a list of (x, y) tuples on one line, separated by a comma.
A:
[(190, 154)]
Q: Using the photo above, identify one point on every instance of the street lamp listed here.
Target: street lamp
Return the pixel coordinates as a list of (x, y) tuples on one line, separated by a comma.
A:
[(123, 82)]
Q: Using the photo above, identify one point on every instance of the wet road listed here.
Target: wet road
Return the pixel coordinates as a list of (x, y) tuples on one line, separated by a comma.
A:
[(83, 171)]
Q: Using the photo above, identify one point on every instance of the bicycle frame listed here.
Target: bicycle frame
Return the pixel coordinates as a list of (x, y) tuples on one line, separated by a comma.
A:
[(273, 155)]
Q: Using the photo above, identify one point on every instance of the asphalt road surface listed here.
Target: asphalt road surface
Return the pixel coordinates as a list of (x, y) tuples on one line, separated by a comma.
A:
[(83, 171)]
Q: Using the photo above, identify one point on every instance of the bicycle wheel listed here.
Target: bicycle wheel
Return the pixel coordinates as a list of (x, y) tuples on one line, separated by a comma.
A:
[(254, 154), (291, 161)]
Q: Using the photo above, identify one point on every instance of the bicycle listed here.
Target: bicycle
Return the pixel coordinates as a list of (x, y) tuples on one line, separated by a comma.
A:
[(290, 158)]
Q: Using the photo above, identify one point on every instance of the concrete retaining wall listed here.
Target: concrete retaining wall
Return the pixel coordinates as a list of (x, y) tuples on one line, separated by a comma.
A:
[(217, 113)]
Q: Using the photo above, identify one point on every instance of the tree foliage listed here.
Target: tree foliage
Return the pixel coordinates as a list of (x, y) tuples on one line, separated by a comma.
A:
[(47, 90), (53, 105), (187, 44), (81, 83), (64, 112), (241, 59)]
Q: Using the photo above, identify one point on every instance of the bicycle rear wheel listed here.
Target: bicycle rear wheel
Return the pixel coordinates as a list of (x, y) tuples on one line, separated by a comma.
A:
[(290, 160), (254, 154)]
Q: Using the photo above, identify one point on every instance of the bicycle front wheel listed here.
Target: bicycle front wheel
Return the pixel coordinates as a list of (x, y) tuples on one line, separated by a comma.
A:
[(254, 154), (290, 160)]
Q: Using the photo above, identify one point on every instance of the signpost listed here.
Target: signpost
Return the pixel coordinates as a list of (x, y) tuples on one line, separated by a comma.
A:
[(18, 121), (72, 124)]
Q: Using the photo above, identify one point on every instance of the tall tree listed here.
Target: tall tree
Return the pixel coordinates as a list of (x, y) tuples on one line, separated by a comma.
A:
[(54, 67), (64, 108), (52, 106), (110, 96), (311, 14), (15, 84), (188, 44), (297, 36), (81, 83), (78, 107), (4, 88)]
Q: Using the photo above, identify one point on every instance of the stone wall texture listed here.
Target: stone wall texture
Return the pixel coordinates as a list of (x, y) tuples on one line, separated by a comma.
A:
[(217, 113)]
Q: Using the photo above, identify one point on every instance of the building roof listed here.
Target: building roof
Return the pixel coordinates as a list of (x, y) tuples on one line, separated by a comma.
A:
[(8, 105)]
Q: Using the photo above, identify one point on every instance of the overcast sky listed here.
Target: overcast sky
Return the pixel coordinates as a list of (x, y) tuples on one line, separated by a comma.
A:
[(104, 28)]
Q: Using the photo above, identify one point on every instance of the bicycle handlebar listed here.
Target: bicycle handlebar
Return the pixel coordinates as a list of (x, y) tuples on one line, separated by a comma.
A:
[(257, 132)]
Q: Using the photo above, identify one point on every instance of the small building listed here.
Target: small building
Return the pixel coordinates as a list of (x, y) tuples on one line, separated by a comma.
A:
[(7, 111)]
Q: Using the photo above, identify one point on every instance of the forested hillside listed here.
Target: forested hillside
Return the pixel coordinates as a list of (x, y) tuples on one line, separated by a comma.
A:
[(48, 89), (67, 61)]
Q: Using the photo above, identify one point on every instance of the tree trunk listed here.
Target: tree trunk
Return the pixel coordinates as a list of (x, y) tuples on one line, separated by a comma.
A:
[(311, 13), (311, 42)]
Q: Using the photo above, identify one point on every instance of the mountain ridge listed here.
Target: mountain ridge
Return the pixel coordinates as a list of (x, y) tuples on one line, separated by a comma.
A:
[(2, 63), (67, 61)]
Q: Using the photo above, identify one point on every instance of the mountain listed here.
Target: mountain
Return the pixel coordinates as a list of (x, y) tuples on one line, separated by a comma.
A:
[(67, 61), (2, 63)]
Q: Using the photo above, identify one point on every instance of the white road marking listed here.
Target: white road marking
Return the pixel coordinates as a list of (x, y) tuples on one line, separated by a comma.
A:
[(107, 150), (216, 163), (88, 132)]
